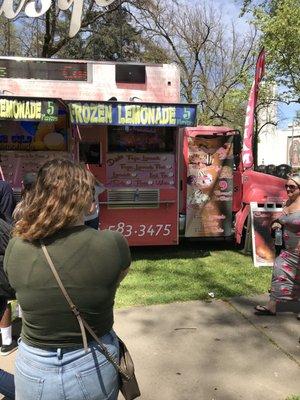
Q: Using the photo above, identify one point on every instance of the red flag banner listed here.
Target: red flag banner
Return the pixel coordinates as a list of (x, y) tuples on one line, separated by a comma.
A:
[(247, 152)]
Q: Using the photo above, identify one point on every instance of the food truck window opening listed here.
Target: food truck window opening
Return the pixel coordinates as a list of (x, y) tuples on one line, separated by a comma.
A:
[(90, 152), (35, 135), (130, 73), (237, 148), (141, 139)]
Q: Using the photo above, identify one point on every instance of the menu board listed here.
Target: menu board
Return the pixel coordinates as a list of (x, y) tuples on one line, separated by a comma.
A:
[(33, 135), (15, 164), (28, 110), (262, 242), (37, 69), (140, 170), (209, 186)]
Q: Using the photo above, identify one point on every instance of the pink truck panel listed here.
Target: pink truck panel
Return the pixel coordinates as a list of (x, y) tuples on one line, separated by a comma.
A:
[(262, 188), (162, 84)]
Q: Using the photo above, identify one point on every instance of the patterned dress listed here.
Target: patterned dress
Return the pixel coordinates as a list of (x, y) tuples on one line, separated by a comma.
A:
[(286, 271)]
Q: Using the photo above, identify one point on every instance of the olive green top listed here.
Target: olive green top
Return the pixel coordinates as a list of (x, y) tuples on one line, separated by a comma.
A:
[(89, 264)]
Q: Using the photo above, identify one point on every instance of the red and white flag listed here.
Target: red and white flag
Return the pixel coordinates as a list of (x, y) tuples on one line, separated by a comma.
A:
[(247, 152)]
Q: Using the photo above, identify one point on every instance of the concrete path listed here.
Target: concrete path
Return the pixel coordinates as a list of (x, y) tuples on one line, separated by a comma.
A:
[(210, 351)]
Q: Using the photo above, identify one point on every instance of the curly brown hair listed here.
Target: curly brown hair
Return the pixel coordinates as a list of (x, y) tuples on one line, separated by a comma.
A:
[(63, 192)]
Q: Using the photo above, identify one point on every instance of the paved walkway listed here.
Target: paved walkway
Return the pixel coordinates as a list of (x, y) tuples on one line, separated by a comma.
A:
[(211, 350)]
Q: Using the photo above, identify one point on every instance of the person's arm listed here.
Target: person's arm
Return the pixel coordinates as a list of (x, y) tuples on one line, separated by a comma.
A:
[(5, 235), (7, 202), (5, 287), (125, 256), (122, 275)]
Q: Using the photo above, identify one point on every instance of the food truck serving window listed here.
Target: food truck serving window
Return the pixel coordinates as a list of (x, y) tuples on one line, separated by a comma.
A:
[(140, 139), (90, 152)]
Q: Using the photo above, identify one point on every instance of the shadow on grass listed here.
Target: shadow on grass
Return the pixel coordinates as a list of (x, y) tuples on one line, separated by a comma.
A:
[(190, 271), (186, 249)]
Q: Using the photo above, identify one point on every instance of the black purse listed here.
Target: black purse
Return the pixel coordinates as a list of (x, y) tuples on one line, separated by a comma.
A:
[(128, 383)]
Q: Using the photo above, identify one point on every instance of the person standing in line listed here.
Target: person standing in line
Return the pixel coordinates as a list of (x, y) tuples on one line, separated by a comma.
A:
[(51, 362), (8, 343), (7, 383), (6, 294), (285, 283), (28, 184), (92, 219), (7, 205), (7, 202)]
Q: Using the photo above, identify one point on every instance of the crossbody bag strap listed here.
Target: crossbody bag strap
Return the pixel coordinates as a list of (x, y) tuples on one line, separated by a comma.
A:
[(82, 322), (67, 297)]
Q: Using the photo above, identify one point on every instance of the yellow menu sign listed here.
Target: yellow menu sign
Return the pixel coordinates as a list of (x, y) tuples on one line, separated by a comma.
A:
[(28, 110)]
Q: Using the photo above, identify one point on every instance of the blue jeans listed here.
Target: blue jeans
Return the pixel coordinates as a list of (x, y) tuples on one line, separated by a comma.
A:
[(7, 386), (67, 374)]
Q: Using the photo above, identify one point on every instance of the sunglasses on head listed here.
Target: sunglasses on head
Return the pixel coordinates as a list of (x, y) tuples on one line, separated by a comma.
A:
[(292, 188)]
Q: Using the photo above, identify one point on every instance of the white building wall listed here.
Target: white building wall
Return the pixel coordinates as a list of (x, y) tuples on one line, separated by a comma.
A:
[(274, 146), (268, 147)]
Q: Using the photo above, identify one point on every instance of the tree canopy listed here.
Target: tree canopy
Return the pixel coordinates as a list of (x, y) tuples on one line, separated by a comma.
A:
[(215, 60), (279, 23)]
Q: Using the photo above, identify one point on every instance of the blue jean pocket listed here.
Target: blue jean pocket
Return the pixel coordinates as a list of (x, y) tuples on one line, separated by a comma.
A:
[(27, 387), (99, 382)]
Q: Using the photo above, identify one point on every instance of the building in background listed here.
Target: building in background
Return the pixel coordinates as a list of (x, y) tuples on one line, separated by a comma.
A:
[(267, 149), (277, 145)]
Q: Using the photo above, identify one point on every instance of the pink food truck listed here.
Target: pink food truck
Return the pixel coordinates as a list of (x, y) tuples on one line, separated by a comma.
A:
[(164, 177), (122, 120)]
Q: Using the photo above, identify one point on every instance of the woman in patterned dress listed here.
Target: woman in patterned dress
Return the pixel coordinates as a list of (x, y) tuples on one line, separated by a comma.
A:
[(285, 283)]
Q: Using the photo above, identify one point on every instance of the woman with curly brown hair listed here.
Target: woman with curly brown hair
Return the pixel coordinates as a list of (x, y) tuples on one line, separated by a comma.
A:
[(51, 363)]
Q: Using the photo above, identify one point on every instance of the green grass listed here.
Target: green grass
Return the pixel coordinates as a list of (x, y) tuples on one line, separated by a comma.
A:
[(293, 398), (189, 272)]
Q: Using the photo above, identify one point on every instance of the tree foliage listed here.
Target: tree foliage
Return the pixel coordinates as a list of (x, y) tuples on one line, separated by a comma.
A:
[(111, 37), (279, 23), (214, 59), (9, 44), (107, 33)]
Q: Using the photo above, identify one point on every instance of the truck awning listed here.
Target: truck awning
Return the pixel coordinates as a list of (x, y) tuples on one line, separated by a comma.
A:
[(28, 109), (132, 114)]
